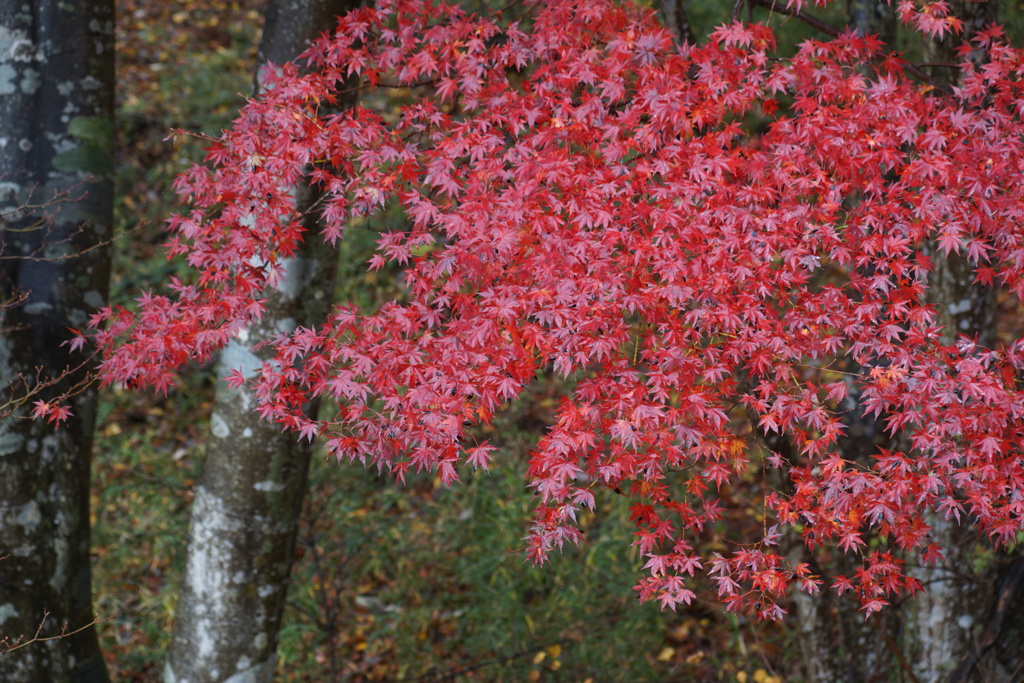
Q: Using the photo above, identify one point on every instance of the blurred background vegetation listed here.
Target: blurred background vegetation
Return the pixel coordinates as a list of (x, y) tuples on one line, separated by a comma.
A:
[(414, 583)]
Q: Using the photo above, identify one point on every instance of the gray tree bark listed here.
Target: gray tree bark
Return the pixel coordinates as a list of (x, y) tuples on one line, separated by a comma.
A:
[(249, 495), (56, 213), (953, 631), (943, 626)]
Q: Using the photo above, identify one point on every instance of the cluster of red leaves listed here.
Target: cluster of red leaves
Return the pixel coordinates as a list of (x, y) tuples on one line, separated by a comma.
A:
[(584, 196)]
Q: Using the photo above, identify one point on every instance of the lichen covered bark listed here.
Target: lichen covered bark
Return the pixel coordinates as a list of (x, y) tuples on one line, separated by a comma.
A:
[(249, 495), (942, 623), (56, 114), (245, 511), (836, 642)]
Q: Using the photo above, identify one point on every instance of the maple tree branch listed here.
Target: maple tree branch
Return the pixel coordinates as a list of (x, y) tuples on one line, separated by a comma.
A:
[(28, 207), (688, 308), (367, 86), (736, 7), (810, 20), (502, 10), (66, 257), (32, 388), (814, 22)]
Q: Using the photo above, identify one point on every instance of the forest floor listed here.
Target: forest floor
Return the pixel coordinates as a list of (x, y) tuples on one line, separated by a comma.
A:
[(415, 583)]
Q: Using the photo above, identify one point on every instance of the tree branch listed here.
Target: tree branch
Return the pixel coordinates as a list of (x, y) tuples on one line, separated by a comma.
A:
[(64, 633), (818, 24), (988, 638)]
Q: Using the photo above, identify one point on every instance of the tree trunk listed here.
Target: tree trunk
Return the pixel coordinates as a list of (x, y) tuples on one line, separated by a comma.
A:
[(942, 626), (951, 632), (673, 14), (874, 18), (942, 55), (836, 643), (249, 495), (56, 195)]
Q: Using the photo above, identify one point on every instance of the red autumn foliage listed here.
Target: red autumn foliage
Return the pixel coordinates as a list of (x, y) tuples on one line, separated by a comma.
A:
[(588, 197)]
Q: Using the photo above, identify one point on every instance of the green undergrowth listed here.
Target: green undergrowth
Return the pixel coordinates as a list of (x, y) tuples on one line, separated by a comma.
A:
[(184, 65), (437, 581)]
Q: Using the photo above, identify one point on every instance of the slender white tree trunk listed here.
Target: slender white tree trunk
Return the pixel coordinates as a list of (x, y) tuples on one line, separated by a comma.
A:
[(249, 494)]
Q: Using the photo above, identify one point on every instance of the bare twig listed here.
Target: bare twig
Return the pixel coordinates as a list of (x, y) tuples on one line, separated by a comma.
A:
[(33, 388), (64, 633), (737, 6)]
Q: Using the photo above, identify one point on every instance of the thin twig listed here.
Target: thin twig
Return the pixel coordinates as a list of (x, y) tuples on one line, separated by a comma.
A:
[(502, 10), (736, 7), (64, 633)]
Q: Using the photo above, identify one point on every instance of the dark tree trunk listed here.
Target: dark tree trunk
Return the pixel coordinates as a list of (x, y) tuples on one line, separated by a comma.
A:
[(249, 495), (942, 54), (56, 198), (836, 643), (874, 18), (673, 15)]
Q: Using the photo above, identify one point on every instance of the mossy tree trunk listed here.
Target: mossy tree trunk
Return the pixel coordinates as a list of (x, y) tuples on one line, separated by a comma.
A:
[(56, 213), (249, 495)]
